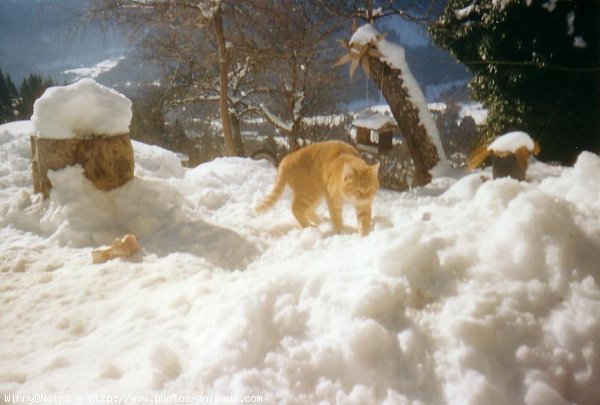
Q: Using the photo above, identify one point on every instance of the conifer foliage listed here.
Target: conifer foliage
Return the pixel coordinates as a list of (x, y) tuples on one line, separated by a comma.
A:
[(18, 104), (536, 67), (9, 99)]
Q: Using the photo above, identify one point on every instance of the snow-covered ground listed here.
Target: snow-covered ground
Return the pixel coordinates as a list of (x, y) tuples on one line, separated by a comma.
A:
[(466, 292)]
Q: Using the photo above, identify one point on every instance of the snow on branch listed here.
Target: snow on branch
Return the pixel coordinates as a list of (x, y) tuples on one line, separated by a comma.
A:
[(275, 119)]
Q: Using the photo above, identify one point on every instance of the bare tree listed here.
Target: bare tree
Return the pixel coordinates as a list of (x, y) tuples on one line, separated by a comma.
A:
[(292, 51), (200, 15), (277, 59), (417, 11)]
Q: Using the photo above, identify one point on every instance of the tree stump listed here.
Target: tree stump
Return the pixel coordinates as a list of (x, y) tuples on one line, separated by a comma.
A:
[(508, 166), (107, 161)]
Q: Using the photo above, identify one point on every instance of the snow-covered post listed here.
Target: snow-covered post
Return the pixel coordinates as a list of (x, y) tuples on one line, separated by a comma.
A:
[(510, 155), (86, 124), (385, 63)]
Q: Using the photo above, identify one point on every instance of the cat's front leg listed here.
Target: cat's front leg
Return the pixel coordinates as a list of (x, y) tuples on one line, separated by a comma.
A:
[(335, 212), (363, 217)]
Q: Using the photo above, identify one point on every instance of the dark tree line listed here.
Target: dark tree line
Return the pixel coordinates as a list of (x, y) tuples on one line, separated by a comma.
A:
[(17, 104)]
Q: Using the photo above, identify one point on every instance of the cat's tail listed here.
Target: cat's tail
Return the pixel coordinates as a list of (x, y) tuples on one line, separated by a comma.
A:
[(272, 198)]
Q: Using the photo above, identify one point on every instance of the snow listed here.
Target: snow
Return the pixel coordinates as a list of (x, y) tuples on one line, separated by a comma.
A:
[(373, 120), (550, 5), (512, 141), (502, 3), (365, 34), (79, 110), (463, 13), (465, 292), (276, 120), (393, 55), (579, 42), (475, 110), (96, 70), (571, 23)]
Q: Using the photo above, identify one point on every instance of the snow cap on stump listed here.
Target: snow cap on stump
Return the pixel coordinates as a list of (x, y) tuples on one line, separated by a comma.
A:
[(82, 124), (511, 142), (81, 110)]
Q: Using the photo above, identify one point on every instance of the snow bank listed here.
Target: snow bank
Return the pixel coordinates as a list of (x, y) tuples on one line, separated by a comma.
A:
[(80, 110), (466, 291)]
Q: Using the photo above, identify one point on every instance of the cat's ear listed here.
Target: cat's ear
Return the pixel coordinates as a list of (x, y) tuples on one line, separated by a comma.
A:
[(348, 171)]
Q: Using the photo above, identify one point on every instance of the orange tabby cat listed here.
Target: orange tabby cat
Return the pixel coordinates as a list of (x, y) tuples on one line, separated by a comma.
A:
[(333, 170)]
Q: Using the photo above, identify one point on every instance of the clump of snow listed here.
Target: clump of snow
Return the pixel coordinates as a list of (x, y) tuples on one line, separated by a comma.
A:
[(571, 23), (501, 3), (550, 5), (464, 12), (512, 141), (81, 110), (466, 291), (393, 55), (365, 34), (579, 42)]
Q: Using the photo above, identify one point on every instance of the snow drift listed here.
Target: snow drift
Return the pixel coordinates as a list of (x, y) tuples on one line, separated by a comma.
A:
[(466, 292)]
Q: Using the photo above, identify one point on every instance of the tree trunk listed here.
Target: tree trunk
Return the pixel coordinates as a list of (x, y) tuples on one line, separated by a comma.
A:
[(108, 162), (237, 136), (293, 141), (224, 84), (418, 142)]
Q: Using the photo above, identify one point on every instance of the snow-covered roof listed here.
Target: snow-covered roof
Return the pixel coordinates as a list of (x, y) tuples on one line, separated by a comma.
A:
[(373, 121), (512, 141), (80, 110)]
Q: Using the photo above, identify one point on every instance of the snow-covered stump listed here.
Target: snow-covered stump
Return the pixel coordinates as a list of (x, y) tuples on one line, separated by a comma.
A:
[(82, 124), (107, 161), (510, 155)]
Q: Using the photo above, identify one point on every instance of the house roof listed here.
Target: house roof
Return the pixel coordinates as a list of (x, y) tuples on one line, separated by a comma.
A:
[(373, 120)]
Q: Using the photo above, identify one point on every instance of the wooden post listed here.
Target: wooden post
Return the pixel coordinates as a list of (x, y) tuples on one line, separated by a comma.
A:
[(107, 161), (507, 166)]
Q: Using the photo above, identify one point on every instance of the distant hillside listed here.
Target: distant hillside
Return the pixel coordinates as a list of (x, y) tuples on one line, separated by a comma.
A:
[(47, 37)]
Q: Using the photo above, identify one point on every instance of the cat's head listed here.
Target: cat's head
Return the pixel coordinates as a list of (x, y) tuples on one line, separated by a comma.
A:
[(360, 182)]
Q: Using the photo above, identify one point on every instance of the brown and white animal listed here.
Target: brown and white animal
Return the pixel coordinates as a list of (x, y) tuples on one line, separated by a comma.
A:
[(332, 170)]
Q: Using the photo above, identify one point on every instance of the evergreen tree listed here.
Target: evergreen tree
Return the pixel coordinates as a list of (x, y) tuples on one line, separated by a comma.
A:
[(8, 99), (30, 90), (535, 65)]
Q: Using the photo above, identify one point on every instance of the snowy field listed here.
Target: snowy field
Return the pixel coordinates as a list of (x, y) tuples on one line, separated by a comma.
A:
[(466, 292)]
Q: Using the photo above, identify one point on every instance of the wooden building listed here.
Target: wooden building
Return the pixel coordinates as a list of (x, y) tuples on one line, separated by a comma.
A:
[(374, 132)]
